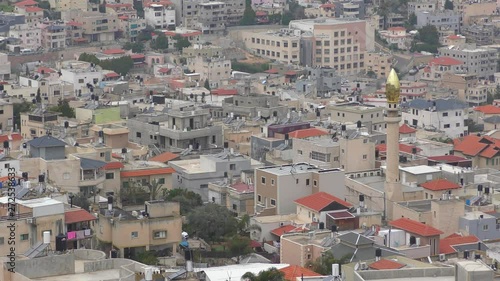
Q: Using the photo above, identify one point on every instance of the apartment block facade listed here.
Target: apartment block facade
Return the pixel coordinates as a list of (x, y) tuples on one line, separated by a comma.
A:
[(477, 60)]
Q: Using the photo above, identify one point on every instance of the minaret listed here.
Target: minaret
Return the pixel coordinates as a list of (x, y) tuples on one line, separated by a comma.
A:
[(392, 118)]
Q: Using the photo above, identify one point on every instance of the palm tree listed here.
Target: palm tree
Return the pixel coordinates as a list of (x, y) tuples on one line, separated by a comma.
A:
[(154, 189)]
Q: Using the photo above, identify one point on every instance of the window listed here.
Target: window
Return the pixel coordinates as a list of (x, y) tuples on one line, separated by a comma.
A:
[(365, 156), (66, 176), (159, 234), (297, 181), (323, 157), (307, 181), (272, 181), (273, 202), (161, 181), (445, 114), (134, 234), (24, 237), (259, 198), (485, 227), (80, 81), (299, 152), (1, 240), (138, 135), (235, 207), (110, 176), (7, 166), (263, 180), (457, 124), (446, 126), (315, 182), (232, 167)]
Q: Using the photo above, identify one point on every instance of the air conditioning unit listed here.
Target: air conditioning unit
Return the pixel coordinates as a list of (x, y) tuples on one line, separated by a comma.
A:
[(363, 266), (315, 219), (442, 257), (31, 220)]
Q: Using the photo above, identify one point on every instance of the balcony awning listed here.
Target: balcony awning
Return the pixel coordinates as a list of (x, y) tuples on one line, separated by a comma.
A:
[(78, 215), (91, 164)]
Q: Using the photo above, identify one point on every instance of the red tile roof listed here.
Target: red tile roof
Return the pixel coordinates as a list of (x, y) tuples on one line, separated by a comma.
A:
[(272, 71), (77, 215), (224, 92), (33, 9), (137, 56), (260, 13), (307, 133), (440, 184), (488, 109), (26, 3), (186, 34), (164, 157), (116, 155), (447, 158), (446, 244), (164, 70), (45, 70), (473, 145), (146, 172), (287, 229), (384, 264), (397, 28), (341, 215), (415, 227), (291, 72), (320, 200), (454, 37), (114, 165), (242, 187), (293, 271), (255, 244), (112, 74), (448, 61), (327, 5), (405, 129), (14, 137), (113, 52), (402, 148)]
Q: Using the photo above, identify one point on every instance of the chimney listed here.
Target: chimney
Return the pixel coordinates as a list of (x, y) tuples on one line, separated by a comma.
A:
[(480, 190), (110, 203), (378, 254)]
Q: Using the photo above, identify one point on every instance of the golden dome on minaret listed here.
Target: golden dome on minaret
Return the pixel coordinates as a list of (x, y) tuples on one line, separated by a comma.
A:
[(392, 87)]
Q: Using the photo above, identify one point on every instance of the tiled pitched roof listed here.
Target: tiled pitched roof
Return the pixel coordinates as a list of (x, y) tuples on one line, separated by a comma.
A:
[(415, 227), (77, 215), (384, 264), (164, 157), (287, 229), (46, 141), (446, 61), (447, 158), (405, 129), (446, 244), (473, 145), (113, 52), (488, 109), (402, 148), (272, 71), (26, 3), (13, 137), (440, 184), (146, 172), (307, 133), (293, 271), (114, 165), (33, 9), (320, 200)]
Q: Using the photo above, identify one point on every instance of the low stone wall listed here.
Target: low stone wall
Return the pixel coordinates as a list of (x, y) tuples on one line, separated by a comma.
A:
[(46, 266), (89, 255)]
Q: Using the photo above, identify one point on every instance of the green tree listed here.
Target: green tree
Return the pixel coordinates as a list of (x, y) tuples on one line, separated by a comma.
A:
[(239, 246), (147, 257), (81, 201), (119, 65), (187, 199), (64, 108), (489, 98), (181, 42), (412, 19), (323, 264), (38, 96), (429, 35), (212, 222), (139, 8), (133, 194), (271, 274), (448, 5), (136, 47), (7, 8), (371, 74), (497, 92), (248, 14), (18, 109), (249, 67), (207, 84), (44, 5), (160, 43), (154, 188)]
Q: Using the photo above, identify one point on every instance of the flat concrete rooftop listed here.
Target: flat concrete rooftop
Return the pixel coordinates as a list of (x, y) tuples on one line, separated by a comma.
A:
[(89, 276)]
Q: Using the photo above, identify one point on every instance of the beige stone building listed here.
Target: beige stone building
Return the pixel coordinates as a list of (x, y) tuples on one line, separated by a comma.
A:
[(131, 233), (379, 63), (299, 249), (213, 69), (6, 116), (276, 187), (96, 27), (203, 51), (34, 124), (371, 117), (65, 5), (279, 45), (324, 10), (238, 197)]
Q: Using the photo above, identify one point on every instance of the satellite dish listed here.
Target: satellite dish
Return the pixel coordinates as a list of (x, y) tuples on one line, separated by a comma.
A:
[(356, 267)]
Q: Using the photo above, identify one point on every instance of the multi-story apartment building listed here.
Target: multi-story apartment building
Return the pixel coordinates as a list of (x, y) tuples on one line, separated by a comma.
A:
[(252, 105), (132, 233), (160, 14), (74, 33), (447, 116), (480, 34), (237, 196), (337, 43), (479, 61), (214, 69), (397, 36), (212, 17), (65, 5), (31, 37), (440, 66), (32, 218), (452, 40), (371, 117), (277, 187), (421, 6), (5, 69), (471, 10), (132, 27), (349, 154), (53, 35), (33, 124), (378, 63), (320, 82), (203, 51), (476, 95), (325, 10), (235, 9), (394, 20), (97, 27), (80, 73), (350, 9), (280, 45), (410, 90), (192, 36), (29, 8), (446, 21), (122, 10)]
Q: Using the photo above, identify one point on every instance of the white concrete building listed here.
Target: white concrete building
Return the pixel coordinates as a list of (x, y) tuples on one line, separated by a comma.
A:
[(80, 73), (5, 69), (160, 15), (441, 115), (31, 38)]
